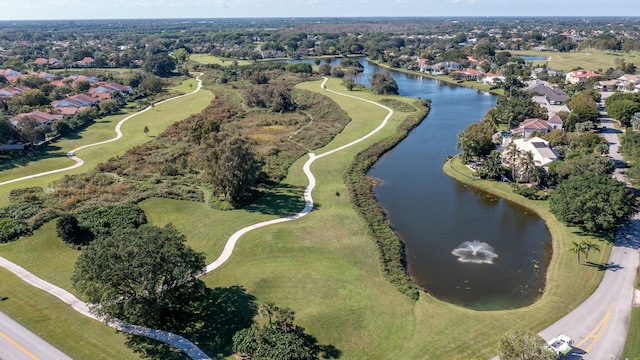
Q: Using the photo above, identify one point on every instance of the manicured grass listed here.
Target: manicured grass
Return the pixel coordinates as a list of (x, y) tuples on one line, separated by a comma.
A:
[(632, 346), (326, 268), (45, 255), (56, 322), (590, 59), (210, 59), (156, 119)]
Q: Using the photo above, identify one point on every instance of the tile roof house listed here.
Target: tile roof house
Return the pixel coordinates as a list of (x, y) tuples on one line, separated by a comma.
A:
[(12, 91), (529, 126), (86, 62), (41, 118), (76, 101), (580, 76)]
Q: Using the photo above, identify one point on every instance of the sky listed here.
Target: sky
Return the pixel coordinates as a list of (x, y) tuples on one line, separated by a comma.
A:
[(144, 9)]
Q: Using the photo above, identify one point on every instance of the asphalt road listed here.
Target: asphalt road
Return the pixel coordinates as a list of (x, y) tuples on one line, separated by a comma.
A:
[(599, 325), (18, 343)]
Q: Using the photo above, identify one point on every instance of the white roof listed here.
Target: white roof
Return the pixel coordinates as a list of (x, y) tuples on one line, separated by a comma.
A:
[(543, 154)]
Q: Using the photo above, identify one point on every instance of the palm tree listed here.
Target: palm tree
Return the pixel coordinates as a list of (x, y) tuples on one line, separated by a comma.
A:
[(268, 310), (578, 248), (588, 246), (529, 169)]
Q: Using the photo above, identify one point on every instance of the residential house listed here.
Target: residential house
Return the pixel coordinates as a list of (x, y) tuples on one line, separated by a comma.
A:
[(37, 116), (76, 101), (9, 91), (535, 125), (441, 67), (580, 76), (628, 83), (555, 122), (543, 154), (608, 85), (552, 95), (86, 62), (51, 62), (492, 79), (468, 74)]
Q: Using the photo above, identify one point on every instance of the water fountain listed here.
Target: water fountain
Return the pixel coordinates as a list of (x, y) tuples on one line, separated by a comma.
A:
[(475, 251)]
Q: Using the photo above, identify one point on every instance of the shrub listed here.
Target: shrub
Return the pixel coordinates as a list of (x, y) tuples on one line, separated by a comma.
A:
[(11, 229), (71, 232), (107, 220), (21, 211)]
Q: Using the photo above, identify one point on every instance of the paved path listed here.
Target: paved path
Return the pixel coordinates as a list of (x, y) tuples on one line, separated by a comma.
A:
[(175, 340), (599, 325), (79, 162), (231, 243), (18, 343)]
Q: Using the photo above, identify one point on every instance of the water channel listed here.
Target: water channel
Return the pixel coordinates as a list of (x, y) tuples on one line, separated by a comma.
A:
[(435, 215)]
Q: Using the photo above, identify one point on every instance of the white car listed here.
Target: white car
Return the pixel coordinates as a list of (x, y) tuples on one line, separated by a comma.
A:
[(562, 345)]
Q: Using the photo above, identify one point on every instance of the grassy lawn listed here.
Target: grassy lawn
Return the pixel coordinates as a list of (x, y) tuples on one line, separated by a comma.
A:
[(326, 268), (210, 59), (74, 334), (156, 119), (324, 265), (588, 59)]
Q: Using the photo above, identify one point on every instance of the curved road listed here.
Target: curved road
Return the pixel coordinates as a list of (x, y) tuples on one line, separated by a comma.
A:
[(599, 325), (175, 340)]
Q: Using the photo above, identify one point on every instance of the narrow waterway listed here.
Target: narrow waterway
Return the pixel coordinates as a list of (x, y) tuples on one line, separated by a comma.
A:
[(435, 215)]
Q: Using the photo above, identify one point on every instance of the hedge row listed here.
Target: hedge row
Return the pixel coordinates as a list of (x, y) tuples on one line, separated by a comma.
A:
[(391, 248)]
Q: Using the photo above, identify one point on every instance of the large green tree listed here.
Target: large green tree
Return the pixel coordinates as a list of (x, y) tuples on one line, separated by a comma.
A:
[(476, 140), (524, 345), (587, 164), (160, 64), (139, 275), (384, 84), (233, 169), (597, 204)]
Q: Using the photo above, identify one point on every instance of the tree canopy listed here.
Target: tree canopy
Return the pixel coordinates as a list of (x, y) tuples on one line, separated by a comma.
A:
[(384, 84), (139, 275), (160, 64), (524, 345), (597, 204)]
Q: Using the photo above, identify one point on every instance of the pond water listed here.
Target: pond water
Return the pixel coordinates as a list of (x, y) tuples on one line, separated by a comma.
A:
[(463, 246), (533, 58)]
